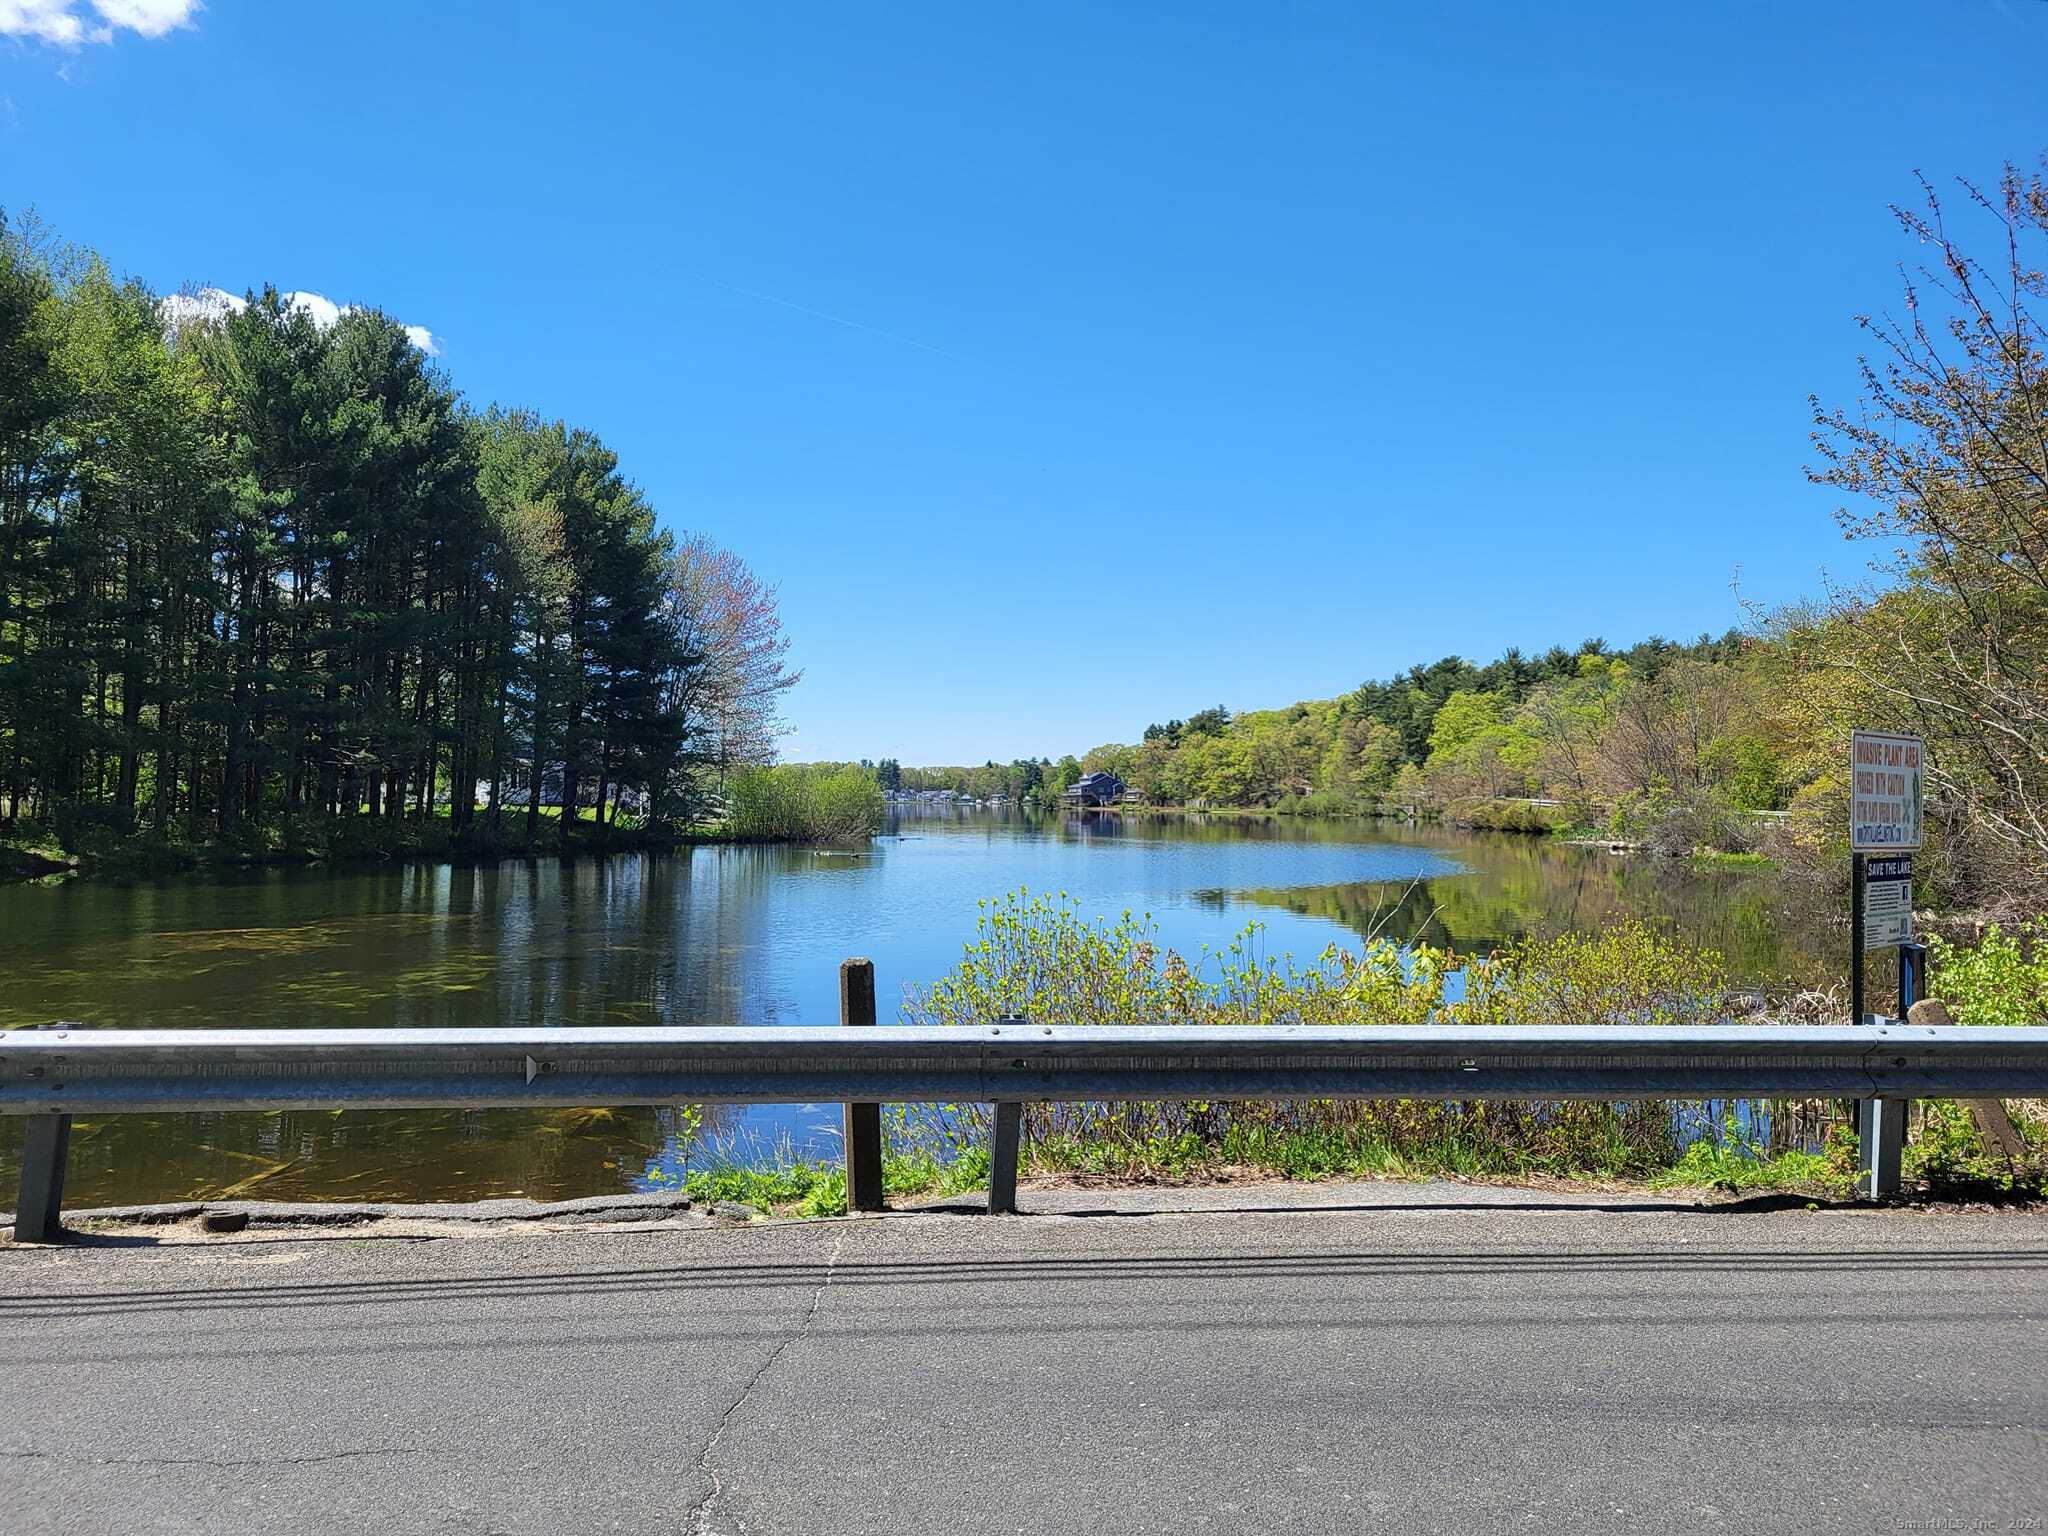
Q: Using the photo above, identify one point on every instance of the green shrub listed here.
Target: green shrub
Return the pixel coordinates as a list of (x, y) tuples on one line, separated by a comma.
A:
[(1327, 802), (1504, 815), (2002, 980), (1038, 957), (1628, 974), (84, 826), (801, 802)]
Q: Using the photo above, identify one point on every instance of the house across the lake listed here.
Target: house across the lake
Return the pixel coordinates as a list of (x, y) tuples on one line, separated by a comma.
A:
[(1094, 789)]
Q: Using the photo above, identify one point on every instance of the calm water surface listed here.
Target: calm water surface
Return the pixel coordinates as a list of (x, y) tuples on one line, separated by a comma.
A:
[(728, 936)]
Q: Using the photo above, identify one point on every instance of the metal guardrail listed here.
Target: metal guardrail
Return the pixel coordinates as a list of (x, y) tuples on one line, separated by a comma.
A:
[(94, 1071), (52, 1074)]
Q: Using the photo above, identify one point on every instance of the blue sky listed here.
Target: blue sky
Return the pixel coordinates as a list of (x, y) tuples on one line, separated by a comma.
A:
[(1073, 365)]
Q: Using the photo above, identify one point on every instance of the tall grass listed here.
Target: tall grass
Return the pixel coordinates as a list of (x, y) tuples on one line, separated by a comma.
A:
[(800, 802)]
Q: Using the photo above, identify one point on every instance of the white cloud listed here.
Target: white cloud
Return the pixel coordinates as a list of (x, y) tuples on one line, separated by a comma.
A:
[(152, 18), (207, 304), (215, 303), (51, 21), (58, 22), (322, 310)]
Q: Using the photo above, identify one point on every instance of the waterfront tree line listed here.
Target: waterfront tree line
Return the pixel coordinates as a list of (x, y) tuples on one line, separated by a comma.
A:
[(265, 577), (1739, 741)]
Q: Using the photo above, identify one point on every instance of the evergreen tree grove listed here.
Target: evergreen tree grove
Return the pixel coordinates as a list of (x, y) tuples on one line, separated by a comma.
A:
[(261, 578)]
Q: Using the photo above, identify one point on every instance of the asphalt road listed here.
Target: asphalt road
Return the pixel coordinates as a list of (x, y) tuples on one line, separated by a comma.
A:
[(1414, 1360)]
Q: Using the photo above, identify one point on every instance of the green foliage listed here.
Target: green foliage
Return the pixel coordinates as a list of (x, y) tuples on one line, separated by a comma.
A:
[(257, 573), (1749, 769), (785, 1185), (1579, 730), (1709, 860), (2002, 980), (1948, 1153), (804, 802), (808, 1189), (1504, 815), (1627, 974), (1736, 1166), (1317, 1139), (1461, 720), (1037, 956)]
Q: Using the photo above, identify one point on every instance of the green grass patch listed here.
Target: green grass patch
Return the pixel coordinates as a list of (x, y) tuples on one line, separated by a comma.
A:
[(944, 1152), (1704, 858), (1738, 1168), (792, 1186)]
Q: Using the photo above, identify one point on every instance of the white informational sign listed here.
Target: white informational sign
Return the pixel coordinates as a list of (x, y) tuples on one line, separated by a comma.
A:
[(1884, 791), (1888, 901)]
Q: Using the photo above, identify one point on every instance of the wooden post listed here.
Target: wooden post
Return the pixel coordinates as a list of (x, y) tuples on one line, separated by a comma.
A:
[(1005, 1138), (863, 1121), (38, 1214)]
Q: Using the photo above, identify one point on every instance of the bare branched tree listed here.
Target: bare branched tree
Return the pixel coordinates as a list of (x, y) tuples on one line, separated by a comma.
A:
[(728, 619), (1951, 442)]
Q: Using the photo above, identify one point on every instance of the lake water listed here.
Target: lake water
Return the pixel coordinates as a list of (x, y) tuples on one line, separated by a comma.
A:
[(730, 936)]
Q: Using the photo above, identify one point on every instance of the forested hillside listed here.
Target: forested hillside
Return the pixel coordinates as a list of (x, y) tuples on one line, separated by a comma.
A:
[(266, 578), (1584, 725), (1607, 736)]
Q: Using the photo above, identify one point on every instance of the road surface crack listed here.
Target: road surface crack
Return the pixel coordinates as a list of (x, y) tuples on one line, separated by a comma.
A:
[(698, 1517)]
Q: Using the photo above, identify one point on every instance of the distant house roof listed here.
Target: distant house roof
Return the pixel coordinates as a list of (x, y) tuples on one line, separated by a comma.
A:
[(1094, 789)]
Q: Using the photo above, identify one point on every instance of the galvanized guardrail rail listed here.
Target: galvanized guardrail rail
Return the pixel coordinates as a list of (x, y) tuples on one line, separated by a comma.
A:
[(50, 1075)]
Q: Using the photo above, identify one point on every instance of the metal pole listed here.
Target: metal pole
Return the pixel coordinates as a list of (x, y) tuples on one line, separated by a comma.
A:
[(1856, 861), (38, 1214), (1005, 1141), (863, 1121), (1859, 1109)]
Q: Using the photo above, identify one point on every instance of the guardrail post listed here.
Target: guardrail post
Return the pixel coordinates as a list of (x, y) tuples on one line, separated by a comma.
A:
[(1881, 1123), (863, 1121), (38, 1214), (1881, 1132), (1005, 1139)]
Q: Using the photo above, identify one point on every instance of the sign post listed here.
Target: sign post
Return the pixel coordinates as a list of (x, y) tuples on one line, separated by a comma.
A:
[(1885, 811)]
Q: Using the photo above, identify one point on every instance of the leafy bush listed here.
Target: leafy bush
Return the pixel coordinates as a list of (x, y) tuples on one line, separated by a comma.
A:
[(1504, 815), (1038, 957), (1322, 802), (89, 826), (1666, 824), (1627, 974), (2003, 980)]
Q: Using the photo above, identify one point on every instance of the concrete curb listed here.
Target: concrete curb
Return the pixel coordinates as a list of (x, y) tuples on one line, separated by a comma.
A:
[(325, 1213)]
